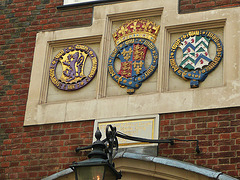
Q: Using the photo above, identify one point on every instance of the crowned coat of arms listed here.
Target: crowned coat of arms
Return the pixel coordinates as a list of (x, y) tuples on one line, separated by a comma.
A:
[(133, 39), (196, 63)]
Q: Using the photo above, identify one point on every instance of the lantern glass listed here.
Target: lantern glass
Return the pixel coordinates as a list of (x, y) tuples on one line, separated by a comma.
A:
[(94, 173), (90, 173)]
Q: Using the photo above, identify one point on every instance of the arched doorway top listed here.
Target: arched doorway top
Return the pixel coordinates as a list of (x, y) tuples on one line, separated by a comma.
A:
[(123, 161), (138, 166)]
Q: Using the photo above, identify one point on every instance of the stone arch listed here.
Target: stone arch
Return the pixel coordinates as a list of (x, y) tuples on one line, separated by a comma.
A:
[(142, 167)]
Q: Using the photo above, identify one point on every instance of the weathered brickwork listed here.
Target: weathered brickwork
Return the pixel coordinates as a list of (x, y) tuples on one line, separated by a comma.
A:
[(20, 20), (218, 132), (187, 6), (39, 151)]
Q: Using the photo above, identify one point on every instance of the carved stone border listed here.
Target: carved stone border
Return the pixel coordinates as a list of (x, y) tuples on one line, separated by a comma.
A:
[(162, 101), (108, 35), (203, 25), (59, 43)]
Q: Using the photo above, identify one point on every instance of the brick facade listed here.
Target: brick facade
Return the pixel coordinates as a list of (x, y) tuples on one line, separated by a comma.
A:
[(218, 132), (38, 151), (188, 6)]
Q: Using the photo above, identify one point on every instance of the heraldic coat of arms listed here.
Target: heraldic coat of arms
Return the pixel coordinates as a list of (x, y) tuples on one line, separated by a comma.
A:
[(73, 60), (196, 63), (133, 39)]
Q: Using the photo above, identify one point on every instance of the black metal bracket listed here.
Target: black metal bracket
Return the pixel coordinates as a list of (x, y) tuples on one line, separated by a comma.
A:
[(111, 141)]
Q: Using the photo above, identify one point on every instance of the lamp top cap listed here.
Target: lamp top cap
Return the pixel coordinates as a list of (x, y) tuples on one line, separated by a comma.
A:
[(98, 134)]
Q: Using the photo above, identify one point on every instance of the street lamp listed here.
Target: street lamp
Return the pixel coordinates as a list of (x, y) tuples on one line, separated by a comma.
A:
[(100, 164)]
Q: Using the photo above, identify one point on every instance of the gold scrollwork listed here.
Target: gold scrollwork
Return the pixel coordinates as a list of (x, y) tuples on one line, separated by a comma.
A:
[(119, 80)]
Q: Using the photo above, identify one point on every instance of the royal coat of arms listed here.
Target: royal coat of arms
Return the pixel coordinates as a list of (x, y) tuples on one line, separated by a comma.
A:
[(133, 39), (72, 60), (196, 63)]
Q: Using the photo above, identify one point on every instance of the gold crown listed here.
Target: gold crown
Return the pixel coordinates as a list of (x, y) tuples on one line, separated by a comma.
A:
[(138, 28)]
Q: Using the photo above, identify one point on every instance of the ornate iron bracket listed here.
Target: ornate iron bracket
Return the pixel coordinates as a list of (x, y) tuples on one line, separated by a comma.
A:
[(111, 141)]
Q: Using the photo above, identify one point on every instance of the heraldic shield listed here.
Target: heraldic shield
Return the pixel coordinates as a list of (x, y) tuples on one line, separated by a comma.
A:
[(72, 60), (133, 40), (196, 63)]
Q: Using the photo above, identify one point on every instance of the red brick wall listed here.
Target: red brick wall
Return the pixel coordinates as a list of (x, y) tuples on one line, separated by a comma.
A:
[(39, 151), (187, 6), (218, 132)]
